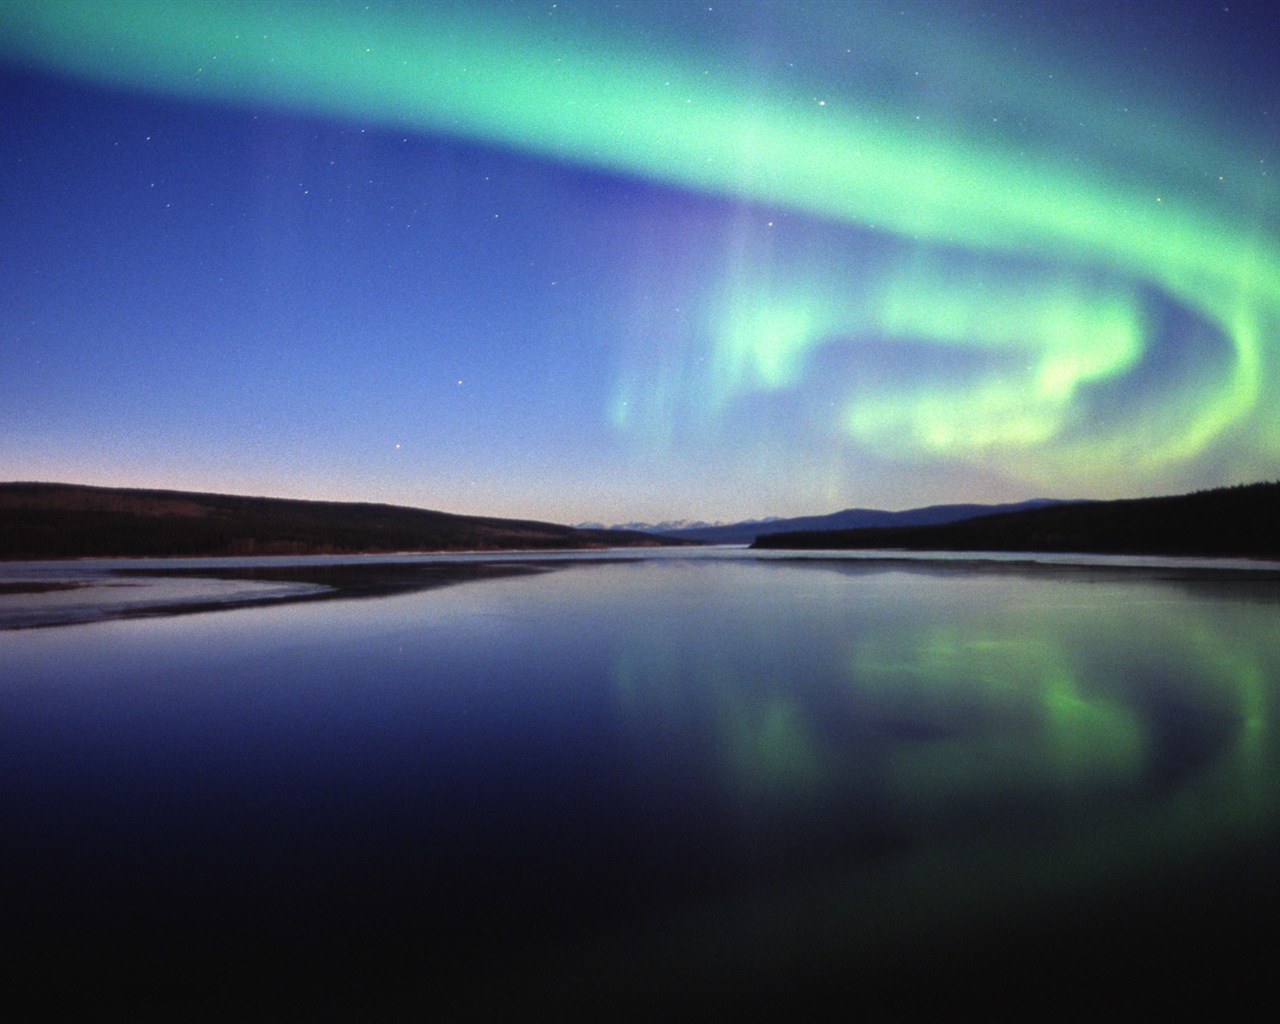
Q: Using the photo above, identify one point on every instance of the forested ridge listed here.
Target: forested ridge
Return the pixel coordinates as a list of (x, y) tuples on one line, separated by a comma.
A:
[(46, 520), (1240, 521)]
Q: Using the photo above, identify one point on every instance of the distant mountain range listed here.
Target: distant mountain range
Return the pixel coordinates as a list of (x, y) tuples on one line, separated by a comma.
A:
[(44, 520), (748, 530), (1241, 521)]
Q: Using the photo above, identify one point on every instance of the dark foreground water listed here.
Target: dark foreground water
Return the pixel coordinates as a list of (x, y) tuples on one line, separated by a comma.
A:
[(712, 784)]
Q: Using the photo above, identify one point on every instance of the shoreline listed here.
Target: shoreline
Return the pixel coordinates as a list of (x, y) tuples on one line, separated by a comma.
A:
[(32, 602), (311, 583)]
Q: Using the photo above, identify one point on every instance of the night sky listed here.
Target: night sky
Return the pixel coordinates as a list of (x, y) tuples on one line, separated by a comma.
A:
[(612, 261)]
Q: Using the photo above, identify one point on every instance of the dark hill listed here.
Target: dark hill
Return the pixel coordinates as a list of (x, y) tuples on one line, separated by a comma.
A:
[(41, 520), (1242, 521)]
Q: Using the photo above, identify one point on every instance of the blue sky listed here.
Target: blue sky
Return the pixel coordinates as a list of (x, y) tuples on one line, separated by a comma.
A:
[(598, 261)]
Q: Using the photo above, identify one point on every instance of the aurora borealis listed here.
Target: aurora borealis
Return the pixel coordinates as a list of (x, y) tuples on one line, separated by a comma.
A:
[(641, 261)]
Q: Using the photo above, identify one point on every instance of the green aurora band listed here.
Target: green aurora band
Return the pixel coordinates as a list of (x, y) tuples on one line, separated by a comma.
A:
[(1095, 242)]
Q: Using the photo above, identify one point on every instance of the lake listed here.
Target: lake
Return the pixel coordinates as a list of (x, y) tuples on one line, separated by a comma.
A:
[(663, 779)]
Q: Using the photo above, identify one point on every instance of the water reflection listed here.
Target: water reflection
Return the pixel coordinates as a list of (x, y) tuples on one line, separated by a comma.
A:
[(732, 775), (979, 750)]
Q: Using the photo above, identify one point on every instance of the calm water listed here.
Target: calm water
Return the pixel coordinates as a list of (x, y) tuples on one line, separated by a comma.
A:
[(652, 779)]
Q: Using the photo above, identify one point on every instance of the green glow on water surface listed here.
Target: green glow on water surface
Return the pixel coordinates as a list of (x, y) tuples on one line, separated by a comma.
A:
[(1038, 706), (1023, 743)]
